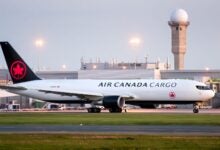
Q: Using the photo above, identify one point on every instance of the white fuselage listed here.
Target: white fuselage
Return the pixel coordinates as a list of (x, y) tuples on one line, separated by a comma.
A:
[(138, 90)]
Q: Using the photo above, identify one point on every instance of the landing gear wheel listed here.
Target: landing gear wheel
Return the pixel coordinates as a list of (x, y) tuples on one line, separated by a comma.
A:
[(94, 110), (195, 110), (115, 110)]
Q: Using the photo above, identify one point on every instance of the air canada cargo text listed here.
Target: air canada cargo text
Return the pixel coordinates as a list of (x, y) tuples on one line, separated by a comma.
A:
[(138, 84)]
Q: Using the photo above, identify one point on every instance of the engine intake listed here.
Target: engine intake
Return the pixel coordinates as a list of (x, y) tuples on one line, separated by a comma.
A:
[(113, 102)]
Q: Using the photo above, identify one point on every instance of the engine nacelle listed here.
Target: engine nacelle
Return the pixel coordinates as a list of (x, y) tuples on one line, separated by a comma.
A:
[(113, 102)]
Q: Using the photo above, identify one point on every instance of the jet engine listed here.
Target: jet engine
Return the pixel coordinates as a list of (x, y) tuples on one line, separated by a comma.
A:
[(113, 103)]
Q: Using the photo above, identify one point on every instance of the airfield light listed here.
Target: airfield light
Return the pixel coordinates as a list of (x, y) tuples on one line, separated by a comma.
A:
[(64, 67), (207, 68), (94, 66), (39, 43), (135, 42), (124, 67)]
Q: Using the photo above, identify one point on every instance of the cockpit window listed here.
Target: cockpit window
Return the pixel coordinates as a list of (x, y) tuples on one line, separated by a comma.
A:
[(202, 87)]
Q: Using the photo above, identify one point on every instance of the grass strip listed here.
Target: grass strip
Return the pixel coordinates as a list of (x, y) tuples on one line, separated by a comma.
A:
[(103, 141), (109, 119)]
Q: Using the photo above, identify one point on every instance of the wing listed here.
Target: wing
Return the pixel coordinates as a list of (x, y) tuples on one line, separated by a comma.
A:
[(80, 94), (83, 94)]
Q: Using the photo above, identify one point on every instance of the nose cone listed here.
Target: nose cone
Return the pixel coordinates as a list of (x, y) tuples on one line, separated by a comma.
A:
[(207, 94), (211, 94)]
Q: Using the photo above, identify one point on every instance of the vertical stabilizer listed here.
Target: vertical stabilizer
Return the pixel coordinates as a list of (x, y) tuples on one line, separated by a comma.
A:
[(18, 69)]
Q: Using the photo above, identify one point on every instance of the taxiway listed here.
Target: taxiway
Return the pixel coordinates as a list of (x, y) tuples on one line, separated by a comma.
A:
[(122, 129)]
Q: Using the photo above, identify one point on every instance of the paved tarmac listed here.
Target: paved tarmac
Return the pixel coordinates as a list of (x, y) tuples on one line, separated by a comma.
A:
[(160, 110), (123, 129)]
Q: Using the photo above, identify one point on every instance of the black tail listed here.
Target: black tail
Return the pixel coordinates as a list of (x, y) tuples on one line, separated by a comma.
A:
[(19, 70)]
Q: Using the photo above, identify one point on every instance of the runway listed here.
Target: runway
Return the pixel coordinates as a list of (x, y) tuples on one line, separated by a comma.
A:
[(123, 129)]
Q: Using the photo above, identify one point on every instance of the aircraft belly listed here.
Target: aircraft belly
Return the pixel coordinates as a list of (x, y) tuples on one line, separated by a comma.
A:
[(165, 95)]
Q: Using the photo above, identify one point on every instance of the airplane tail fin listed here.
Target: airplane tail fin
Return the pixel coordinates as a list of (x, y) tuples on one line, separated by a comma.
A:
[(18, 69)]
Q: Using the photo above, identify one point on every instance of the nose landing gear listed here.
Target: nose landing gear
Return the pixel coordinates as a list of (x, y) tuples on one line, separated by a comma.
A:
[(195, 108)]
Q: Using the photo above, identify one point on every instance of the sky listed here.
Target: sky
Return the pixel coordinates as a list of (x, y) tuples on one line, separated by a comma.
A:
[(72, 29)]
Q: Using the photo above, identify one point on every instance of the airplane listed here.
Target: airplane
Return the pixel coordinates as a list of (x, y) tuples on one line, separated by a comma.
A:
[(112, 94)]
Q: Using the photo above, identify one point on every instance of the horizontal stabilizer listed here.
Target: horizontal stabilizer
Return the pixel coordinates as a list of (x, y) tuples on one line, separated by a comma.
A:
[(4, 93), (3, 87)]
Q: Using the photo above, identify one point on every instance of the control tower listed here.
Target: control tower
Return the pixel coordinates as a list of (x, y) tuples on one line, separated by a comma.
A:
[(178, 23)]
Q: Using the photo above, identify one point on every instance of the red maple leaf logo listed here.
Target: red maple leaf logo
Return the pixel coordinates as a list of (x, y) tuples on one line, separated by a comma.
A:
[(18, 70), (172, 95)]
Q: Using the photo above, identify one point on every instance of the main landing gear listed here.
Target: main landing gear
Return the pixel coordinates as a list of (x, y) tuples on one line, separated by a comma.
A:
[(98, 110), (94, 110), (115, 110), (196, 108)]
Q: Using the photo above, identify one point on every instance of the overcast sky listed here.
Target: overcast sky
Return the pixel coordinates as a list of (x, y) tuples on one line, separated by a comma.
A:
[(102, 28)]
